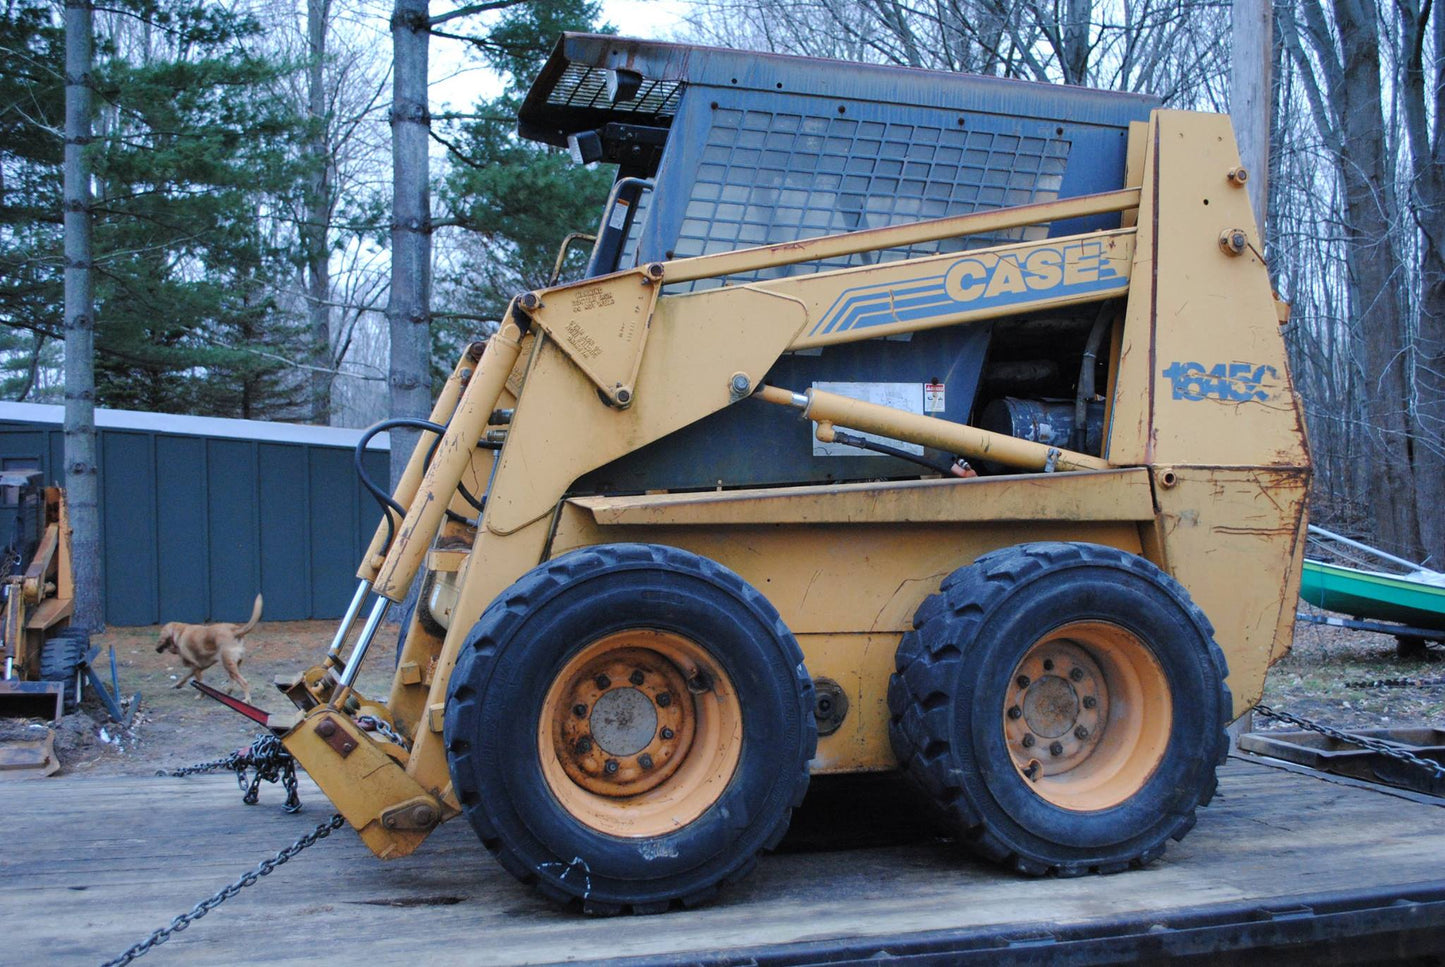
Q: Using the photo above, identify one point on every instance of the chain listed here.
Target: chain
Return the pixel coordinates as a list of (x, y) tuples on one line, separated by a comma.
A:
[(249, 878), (1374, 745), (266, 758), (1397, 683), (375, 724)]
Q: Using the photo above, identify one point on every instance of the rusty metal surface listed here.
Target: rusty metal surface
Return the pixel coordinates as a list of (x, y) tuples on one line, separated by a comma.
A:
[(1329, 754)]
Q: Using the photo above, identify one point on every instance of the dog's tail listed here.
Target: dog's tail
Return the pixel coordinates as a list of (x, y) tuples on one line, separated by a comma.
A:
[(242, 631)]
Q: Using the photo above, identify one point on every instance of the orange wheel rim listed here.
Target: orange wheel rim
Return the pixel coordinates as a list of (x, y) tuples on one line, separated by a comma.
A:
[(640, 733), (1087, 715)]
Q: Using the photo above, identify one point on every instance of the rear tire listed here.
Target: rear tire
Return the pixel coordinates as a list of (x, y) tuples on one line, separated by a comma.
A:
[(60, 659), (1065, 704), (629, 726)]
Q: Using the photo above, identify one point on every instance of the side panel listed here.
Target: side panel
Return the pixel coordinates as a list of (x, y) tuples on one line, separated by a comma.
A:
[(1235, 540)]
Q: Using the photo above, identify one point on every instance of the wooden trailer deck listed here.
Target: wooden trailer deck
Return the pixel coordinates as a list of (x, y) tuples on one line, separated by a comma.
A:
[(92, 865)]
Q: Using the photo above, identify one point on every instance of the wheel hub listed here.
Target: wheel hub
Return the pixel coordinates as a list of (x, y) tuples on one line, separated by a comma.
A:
[(1056, 709), (623, 722)]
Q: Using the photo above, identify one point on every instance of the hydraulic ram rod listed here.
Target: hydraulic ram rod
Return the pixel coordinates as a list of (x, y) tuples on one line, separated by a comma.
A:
[(967, 441)]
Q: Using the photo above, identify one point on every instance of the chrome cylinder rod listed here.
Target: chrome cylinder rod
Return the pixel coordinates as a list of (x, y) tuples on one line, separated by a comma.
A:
[(352, 610), (368, 631)]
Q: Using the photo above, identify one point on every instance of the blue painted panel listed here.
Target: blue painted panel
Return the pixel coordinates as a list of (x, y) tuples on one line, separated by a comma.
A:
[(333, 531), (128, 534), (21, 446), (283, 487), (231, 484), (181, 526)]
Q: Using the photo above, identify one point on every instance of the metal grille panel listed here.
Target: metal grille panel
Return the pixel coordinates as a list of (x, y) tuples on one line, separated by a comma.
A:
[(774, 177)]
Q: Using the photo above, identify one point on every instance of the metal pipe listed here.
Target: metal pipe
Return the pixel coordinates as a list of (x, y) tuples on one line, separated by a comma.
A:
[(453, 455), (368, 631), (945, 435), (894, 236), (1086, 380), (352, 610), (1371, 550)]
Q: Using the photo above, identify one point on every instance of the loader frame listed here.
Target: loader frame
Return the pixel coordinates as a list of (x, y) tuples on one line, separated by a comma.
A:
[(1204, 470)]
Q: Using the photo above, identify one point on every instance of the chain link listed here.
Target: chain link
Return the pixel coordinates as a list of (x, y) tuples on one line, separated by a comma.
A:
[(372, 723), (1374, 745), (266, 758), (249, 878), (1397, 683)]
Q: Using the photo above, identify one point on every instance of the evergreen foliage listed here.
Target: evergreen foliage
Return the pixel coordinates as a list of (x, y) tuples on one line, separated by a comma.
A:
[(517, 200)]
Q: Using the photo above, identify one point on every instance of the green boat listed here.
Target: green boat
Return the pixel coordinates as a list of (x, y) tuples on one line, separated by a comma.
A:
[(1411, 599)]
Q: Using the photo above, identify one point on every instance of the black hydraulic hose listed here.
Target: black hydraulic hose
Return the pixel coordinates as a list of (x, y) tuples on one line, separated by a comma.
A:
[(382, 497), (862, 442), (1085, 390)]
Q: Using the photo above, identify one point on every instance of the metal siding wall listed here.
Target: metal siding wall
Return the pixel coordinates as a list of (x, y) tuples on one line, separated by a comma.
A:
[(334, 528), (194, 526), (283, 487), (128, 527), (181, 529), (231, 482)]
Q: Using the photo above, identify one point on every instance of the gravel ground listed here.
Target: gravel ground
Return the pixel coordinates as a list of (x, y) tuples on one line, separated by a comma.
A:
[(1329, 677)]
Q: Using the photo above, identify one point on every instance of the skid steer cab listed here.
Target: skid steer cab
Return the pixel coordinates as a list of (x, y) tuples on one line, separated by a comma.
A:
[(904, 421)]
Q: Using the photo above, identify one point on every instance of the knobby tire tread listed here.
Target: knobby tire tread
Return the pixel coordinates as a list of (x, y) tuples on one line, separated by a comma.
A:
[(509, 609), (922, 688)]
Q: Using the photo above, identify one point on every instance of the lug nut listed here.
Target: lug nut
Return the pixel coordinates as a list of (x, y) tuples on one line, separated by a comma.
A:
[(645, 761), (1081, 733), (1048, 664), (1090, 701), (602, 681), (1056, 748), (635, 678), (611, 767), (1032, 769), (579, 710), (584, 745), (1028, 741), (664, 700), (666, 733), (1076, 675), (1023, 681), (1014, 711)]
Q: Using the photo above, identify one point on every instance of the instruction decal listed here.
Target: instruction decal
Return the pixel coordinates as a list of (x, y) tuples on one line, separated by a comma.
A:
[(900, 396), (1228, 382), (933, 398)]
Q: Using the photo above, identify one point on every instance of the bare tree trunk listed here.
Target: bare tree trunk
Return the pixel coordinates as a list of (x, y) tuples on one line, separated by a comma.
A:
[(409, 307), (1423, 93), (1250, 97), (315, 237), (1370, 205), (81, 481)]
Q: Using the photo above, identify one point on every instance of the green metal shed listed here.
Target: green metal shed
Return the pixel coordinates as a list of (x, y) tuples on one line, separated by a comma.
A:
[(199, 513)]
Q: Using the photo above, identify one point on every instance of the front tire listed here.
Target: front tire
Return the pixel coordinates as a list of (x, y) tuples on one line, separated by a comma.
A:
[(629, 726), (1065, 704)]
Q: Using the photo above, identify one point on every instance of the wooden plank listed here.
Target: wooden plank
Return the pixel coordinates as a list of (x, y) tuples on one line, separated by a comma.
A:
[(104, 861)]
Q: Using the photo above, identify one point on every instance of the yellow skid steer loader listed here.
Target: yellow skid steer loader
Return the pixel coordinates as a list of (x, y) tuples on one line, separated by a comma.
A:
[(903, 421)]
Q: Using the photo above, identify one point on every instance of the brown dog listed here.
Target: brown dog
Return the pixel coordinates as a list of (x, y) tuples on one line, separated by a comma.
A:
[(200, 645)]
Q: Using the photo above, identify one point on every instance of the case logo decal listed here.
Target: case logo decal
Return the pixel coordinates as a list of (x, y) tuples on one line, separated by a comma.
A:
[(985, 280)]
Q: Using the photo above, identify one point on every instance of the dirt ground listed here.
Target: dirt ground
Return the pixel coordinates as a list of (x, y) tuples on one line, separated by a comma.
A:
[(178, 727), (1325, 677)]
